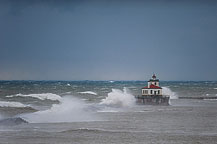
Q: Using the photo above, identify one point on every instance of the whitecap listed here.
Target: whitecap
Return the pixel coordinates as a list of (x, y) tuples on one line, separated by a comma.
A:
[(11, 104), (67, 92), (88, 92), (42, 96)]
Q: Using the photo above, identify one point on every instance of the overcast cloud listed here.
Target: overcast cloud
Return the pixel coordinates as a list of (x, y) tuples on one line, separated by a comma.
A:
[(108, 40)]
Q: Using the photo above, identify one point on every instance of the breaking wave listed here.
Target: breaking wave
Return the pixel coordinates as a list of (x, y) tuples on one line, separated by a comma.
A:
[(88, 92), (12, 121), (119, 98), (68, 110), (167, 91), (11, 104), (42, 96)]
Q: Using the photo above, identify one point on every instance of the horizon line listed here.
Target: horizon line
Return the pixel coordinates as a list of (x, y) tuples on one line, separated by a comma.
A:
[(114, 80)]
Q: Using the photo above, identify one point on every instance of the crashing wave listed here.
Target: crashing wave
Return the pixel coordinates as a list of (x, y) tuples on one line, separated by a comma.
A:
[(119, 98), (68, 110), (167, 91), (42, 96)]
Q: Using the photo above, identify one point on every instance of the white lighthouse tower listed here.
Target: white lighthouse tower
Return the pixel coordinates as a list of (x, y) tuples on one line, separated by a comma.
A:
[(153, 88)]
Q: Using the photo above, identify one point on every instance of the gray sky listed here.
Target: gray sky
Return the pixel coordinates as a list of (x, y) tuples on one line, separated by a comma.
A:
[(108, 40)]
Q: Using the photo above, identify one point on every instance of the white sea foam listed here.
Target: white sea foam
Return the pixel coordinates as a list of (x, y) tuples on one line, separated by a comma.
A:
[(88, 92), (68, 110), (119, 98), (42, 96), (167, 91), (107, 111), (215, 88), (11, 104)]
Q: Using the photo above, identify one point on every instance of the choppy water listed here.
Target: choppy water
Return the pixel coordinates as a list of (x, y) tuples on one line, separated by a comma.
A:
[(105, 112)]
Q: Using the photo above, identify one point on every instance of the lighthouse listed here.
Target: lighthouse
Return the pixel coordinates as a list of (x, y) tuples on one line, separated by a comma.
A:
[(152, 94), (153, 87)]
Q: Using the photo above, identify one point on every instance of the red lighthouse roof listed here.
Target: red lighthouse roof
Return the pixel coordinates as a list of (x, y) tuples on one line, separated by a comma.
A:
[(152, 87)]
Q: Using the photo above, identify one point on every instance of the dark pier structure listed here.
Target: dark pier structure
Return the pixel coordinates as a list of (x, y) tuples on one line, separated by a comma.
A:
[(152, 94), (153, 100)]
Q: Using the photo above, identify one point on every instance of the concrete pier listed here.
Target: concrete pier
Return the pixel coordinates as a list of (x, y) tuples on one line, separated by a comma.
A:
[(153, 100)]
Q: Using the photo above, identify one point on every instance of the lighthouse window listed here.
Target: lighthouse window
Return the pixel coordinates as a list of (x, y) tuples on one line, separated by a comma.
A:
[(158, 91), (155, 83), (146, 91), (151, 91)]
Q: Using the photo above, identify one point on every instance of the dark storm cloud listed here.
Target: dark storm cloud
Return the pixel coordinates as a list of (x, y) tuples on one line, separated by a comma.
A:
[(98, 40)]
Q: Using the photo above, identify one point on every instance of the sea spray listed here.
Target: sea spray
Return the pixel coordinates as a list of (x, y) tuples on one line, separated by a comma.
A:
[(167, 91), (69, 109), (119, 98)]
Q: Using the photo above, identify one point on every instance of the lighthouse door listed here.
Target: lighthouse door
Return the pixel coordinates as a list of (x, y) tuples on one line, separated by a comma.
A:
[(155, 93)]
